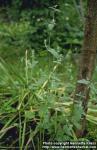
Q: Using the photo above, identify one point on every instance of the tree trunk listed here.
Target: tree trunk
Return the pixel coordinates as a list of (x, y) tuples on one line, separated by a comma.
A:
[(87, 61)]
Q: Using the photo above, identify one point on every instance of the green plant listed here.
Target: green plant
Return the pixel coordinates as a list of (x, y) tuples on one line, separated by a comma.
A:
[(30, 97)]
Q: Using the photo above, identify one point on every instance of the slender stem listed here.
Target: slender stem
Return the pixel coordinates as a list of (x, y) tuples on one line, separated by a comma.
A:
[(26, 64)]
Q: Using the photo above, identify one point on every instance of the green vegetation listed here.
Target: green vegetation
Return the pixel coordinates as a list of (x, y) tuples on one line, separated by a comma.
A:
[(39, 53)]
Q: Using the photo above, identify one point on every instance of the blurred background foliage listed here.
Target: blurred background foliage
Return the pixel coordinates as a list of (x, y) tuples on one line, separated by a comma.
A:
[(28, 24)]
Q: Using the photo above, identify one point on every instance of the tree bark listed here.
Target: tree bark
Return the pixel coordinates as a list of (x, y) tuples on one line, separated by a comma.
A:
[(87, 61)]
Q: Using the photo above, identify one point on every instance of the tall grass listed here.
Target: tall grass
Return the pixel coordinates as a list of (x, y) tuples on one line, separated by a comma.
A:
[(36, 103)]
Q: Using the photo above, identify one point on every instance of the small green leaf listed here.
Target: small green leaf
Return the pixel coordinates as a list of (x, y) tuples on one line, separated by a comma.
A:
[(29, 114), (68, 130), (77, 114), (83, 81), (54, 53)]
